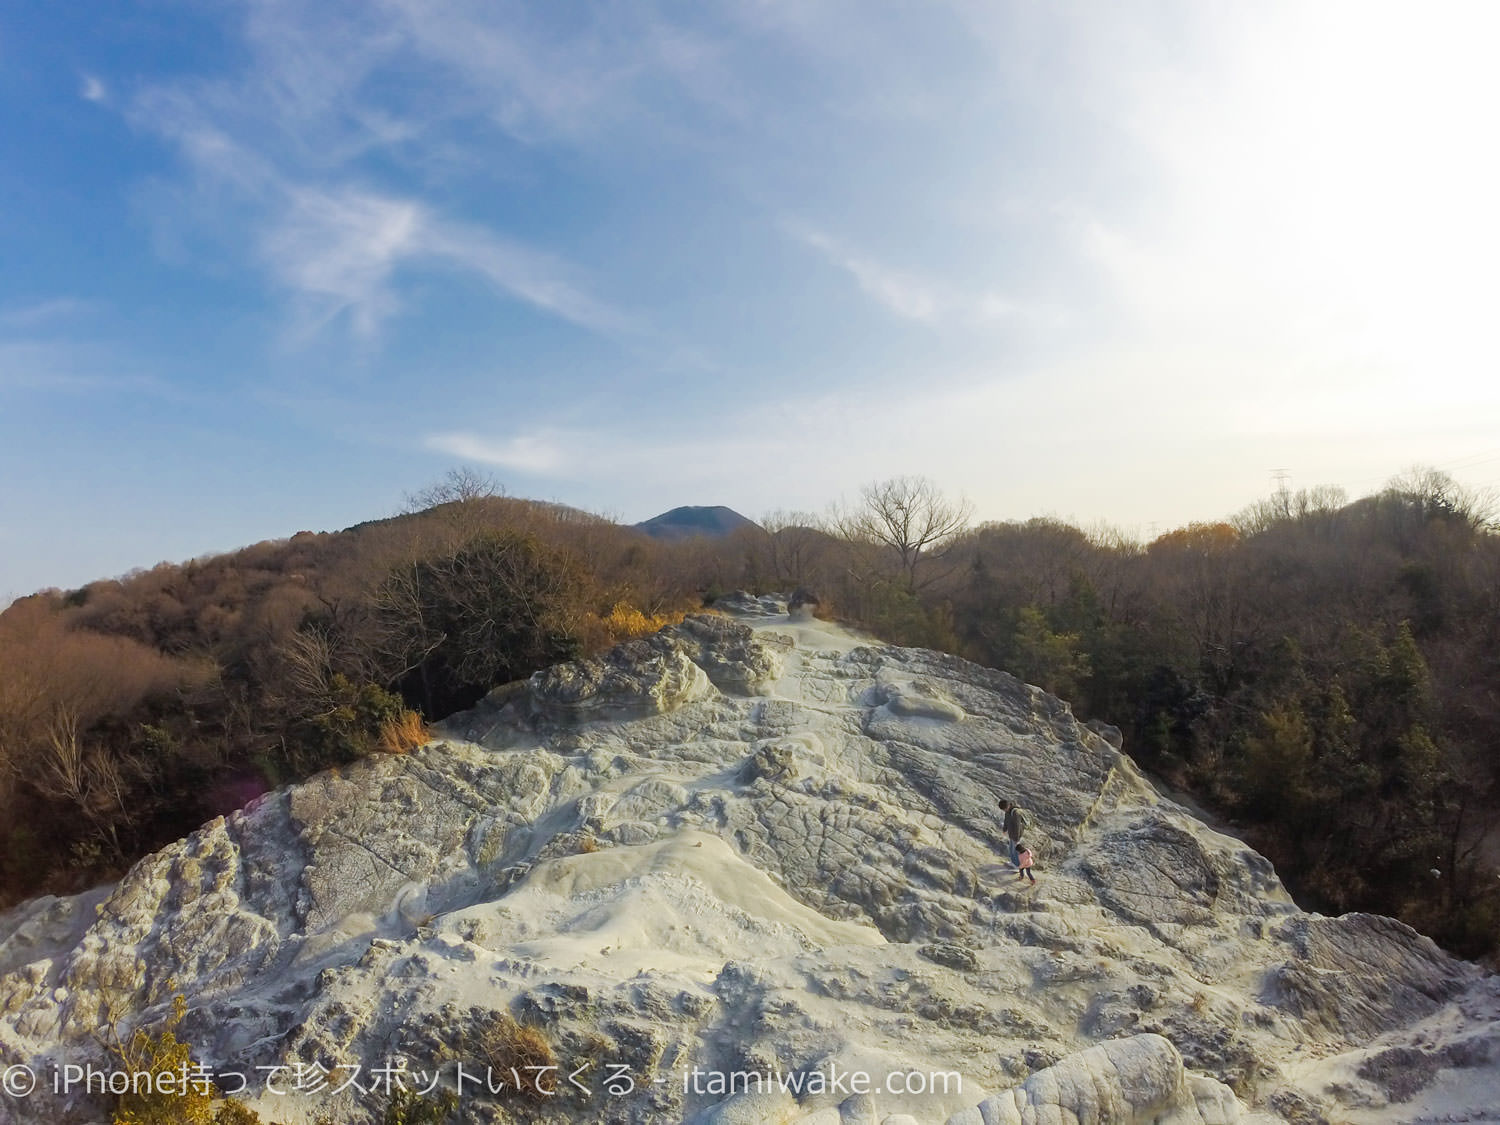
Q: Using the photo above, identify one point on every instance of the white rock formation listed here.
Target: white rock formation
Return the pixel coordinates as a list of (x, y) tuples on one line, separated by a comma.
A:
[(742, 867)]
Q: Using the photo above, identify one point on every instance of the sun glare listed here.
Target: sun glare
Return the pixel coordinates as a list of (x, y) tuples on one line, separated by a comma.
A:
[(1341, 186)]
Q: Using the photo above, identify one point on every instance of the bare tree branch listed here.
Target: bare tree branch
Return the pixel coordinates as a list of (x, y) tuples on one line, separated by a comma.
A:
[(458, 486), (911, 517)]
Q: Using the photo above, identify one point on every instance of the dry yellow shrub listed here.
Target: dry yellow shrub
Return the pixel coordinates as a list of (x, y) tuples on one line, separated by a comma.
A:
[(404, 733), (521, 1053), (624, 621), (596, 632), (168, 1087)]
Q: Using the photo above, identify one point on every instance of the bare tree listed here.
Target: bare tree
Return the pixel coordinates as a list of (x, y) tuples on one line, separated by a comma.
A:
[(88, 776), (793, 544), (458, 486), (1318, 505), (911, 517), (1432, 493), (465, 503), (311, 663)]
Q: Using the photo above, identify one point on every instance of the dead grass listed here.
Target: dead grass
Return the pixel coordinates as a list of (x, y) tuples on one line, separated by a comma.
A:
[(521, 1053), (625, 622), (402, 735)]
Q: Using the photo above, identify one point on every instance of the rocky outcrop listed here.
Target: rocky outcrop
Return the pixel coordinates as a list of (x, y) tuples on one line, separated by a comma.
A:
[(730, 653), (729, 866), (647, 676), (1354, 977), (1138, 1079)]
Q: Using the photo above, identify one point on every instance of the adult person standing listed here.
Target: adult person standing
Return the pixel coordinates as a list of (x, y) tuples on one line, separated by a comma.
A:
[(1015, 824)]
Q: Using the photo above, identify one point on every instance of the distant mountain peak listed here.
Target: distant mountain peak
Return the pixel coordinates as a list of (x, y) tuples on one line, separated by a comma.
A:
[(683, 523)]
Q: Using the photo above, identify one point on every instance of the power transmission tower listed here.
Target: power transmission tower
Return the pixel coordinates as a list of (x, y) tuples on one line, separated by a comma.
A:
[(1283, 493)]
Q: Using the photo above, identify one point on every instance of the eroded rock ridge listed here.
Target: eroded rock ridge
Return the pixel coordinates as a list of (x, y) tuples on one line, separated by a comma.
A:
[(758, 845)]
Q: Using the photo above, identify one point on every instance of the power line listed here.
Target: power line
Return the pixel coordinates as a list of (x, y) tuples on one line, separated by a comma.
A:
[(1466, 463), (1485, 455)]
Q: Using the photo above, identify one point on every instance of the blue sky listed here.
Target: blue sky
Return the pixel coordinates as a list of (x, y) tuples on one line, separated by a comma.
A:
[(268, 266)]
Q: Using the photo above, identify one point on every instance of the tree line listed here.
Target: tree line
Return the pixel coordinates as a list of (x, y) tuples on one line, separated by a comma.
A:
[(1324, 673)]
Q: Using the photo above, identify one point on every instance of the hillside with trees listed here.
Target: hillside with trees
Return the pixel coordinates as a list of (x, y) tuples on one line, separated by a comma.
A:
[(1324, 674), (131, 710)]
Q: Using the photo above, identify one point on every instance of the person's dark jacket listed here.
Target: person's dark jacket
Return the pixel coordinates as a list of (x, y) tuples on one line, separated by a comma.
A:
[(1013, 823)]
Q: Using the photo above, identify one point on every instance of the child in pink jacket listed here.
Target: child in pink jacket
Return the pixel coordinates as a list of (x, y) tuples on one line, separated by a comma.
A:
[(1023, 861)]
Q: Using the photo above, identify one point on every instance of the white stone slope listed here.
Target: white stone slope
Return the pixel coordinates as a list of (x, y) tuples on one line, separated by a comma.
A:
[(747, 854)]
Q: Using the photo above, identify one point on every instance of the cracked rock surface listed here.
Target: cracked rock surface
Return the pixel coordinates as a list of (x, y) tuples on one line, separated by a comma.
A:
[(735, 863)]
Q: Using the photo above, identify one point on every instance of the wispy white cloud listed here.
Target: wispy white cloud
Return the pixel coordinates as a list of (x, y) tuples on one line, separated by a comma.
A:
[(543, 453), (540, 279), (805, 451), (331, 83), (276, 152), (42, 312), (47, 366), (587, 456), (899, 292), (92, 89), (340, 250), (613, 65), (306, 138), (339, 247), (911, 296)]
